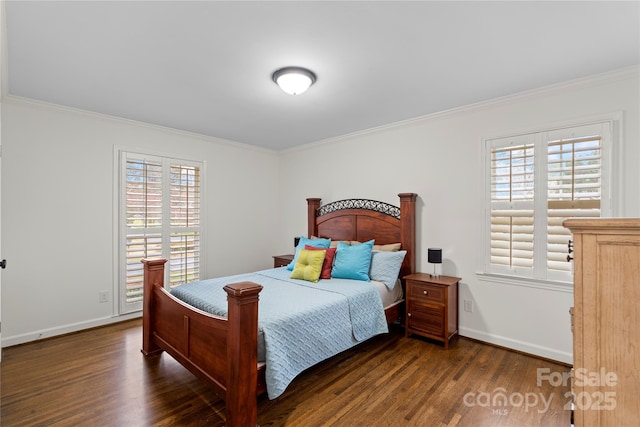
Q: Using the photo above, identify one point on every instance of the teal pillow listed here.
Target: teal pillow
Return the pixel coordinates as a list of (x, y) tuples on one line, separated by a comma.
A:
[(385, 267), (317, 243), (353, 261)]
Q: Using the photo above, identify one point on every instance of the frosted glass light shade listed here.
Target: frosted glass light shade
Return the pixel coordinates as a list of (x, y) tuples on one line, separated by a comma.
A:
[(294, 80)]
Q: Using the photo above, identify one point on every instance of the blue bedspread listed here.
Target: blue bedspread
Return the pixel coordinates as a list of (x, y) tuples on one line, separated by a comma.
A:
[(300, 323)]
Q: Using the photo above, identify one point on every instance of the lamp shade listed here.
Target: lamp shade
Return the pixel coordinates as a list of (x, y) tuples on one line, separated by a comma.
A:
[(434, 255)]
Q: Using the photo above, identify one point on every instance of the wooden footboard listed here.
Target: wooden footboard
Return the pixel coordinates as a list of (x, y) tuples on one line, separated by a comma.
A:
[(220, 351)]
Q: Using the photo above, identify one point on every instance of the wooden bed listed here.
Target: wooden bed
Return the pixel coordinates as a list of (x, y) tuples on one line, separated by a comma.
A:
[(223, 351)]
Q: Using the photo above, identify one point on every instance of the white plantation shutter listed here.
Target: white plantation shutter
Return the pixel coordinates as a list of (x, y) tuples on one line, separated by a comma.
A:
[(139, 246), (184, 261), (574, 183), (536, 181), (143, 221), (512, 196), (161, 218)]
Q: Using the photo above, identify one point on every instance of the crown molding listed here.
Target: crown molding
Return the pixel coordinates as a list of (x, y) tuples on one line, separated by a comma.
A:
[(588, 81), (43, 105)]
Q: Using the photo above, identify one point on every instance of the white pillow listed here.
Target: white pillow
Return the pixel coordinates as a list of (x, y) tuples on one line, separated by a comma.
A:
[(385, 266)]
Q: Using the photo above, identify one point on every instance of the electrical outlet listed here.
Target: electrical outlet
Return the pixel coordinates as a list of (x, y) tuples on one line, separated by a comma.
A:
[(468, 305), (103, 296)]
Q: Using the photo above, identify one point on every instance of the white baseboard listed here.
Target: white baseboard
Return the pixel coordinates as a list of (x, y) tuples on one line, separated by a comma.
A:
[(518, 345), (525, 347), (61, 330)]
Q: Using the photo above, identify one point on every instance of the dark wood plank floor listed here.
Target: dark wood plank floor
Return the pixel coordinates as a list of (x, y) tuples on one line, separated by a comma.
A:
[(99, 378)]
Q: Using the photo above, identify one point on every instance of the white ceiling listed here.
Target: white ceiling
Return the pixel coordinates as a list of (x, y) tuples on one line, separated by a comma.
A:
[(206, 66)]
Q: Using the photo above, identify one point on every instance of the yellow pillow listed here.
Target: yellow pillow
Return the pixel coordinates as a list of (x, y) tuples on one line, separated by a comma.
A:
[(308, 265)]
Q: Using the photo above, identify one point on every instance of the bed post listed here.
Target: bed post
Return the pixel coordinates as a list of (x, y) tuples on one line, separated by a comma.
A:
[(408, 228), (312, 205), (242, 354), (153, 275)]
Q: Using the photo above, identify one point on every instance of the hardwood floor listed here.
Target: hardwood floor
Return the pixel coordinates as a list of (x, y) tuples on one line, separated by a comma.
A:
[(99, 378)]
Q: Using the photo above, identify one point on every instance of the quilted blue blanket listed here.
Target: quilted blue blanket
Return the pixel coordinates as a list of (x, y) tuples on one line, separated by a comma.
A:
[(300, 323)]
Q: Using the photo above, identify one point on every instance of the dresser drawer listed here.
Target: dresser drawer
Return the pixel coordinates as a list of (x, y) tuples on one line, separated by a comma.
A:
[(425, 292), (426, 319)]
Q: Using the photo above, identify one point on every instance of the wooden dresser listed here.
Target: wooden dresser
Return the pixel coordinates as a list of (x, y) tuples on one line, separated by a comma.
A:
[(606, 321)]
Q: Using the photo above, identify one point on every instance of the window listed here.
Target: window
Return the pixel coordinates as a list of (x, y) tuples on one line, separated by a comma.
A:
[(160, 217), (536, 181)]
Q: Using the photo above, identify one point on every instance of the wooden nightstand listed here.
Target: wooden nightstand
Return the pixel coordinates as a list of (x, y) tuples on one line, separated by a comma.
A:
[(432, 306), (282, 260)]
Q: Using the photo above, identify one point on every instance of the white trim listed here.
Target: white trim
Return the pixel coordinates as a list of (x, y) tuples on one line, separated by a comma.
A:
[(560, 124), (526, 347), (610, 159), (547, 285), (616, 156), (66, 329), (144, 152), (119, 232), (485, 221), (115, 209)]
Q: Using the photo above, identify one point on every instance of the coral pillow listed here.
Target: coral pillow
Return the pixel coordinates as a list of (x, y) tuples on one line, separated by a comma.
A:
[(327, 265), (308, 265)]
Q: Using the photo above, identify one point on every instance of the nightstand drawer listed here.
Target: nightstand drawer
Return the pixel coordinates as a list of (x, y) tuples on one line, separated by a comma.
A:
[(426, 319), (424, 292)]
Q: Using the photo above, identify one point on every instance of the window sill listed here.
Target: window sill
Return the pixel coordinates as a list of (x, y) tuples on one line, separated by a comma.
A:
[(566, 287)]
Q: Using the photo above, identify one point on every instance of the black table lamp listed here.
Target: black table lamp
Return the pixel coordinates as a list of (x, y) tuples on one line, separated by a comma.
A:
[(434, 256)]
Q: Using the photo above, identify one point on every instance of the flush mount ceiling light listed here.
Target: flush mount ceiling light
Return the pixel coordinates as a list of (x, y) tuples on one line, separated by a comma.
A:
[(294, 80)]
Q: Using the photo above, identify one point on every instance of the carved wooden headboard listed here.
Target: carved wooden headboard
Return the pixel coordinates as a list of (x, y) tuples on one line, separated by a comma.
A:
[(363, 220)]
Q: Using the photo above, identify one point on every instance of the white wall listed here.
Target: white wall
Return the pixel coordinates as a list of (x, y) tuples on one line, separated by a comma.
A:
[(58, 212), (440, 158), (58, 184)]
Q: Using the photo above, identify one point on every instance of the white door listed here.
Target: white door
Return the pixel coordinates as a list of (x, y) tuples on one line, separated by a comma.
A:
[(2, 91), (3, 261)]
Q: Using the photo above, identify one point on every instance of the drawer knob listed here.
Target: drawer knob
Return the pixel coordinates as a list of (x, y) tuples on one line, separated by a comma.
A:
[(408, 314), (426, 292)]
